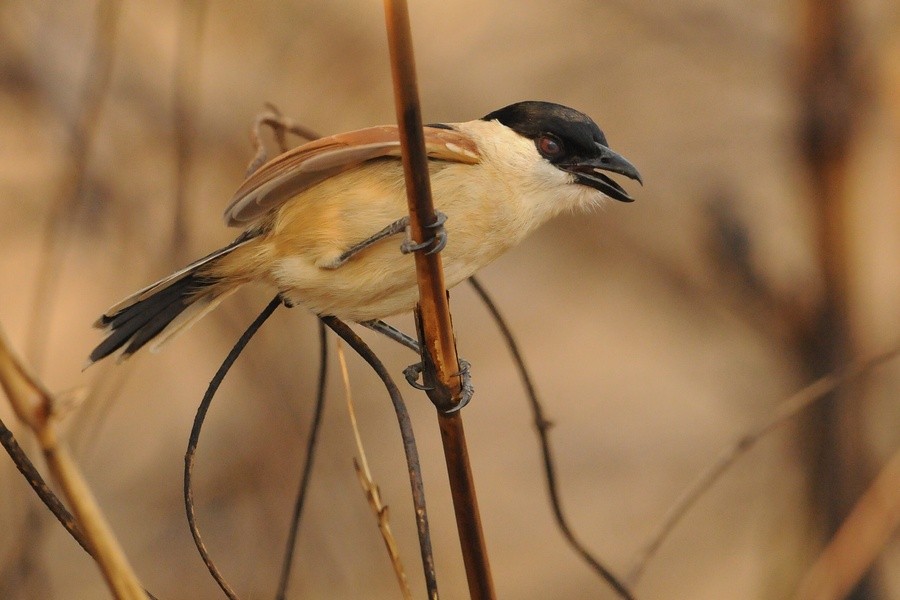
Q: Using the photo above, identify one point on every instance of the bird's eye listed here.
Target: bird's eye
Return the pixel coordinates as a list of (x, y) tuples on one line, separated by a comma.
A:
[(549, 146)]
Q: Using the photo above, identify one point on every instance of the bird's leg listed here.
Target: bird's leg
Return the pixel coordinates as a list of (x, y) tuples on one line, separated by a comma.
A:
[(394, 228), (393, 333), (412, 372), (435, 243)]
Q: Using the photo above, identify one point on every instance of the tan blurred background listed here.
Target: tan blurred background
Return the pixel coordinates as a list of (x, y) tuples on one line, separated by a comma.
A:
[(657, 331)]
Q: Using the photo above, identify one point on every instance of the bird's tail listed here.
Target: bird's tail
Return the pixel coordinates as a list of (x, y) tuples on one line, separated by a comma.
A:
[(165, 308)]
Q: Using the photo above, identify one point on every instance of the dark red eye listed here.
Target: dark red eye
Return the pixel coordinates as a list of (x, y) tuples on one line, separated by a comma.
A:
[(549, 146)]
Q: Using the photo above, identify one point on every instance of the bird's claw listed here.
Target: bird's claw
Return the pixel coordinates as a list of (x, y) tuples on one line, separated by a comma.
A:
[(467, 390), (412, 373), (434, 244)]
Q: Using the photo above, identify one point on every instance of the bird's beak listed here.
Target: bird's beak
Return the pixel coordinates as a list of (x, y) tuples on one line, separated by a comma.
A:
[(588, 172)]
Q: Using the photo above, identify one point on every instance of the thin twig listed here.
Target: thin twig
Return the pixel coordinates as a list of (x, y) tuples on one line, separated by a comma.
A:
[(40, 487), (60, 218), (195, 437), (280, 125), (409, 447), (373, 493), (785, 411), (314, 428), (542, 425), (46, 495), (33, 405)]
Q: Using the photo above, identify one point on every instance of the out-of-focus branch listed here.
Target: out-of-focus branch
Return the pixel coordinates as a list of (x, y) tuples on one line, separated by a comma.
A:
[(832, 94), (58, 228), (859, 540), (785, 411), (187, 66), (33, 405)]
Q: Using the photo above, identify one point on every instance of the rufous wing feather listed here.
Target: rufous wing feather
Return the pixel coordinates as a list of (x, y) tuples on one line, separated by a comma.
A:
[(299, 169)]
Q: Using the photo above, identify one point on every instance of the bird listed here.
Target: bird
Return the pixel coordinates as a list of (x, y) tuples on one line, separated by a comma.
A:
[(321, 221)]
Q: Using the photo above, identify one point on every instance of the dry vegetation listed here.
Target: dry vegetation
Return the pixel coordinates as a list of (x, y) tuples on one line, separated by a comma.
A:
[(658, 333)]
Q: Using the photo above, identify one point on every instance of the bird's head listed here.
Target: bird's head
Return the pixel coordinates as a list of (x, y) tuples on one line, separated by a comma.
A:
[(571, 142)]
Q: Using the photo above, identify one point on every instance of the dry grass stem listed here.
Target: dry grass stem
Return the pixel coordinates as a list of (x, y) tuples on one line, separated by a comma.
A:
[(373, 493), (860, 539), (407, 435), (34, 406)]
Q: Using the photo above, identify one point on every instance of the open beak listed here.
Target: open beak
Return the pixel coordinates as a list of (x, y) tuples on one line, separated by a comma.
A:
[(588, 172)]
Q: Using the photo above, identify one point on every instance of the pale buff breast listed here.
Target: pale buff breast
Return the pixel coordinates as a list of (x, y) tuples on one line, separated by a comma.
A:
[(314, 229)]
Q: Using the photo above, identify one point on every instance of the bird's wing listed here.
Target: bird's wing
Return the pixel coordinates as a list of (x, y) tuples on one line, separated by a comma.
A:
[(299, 169)]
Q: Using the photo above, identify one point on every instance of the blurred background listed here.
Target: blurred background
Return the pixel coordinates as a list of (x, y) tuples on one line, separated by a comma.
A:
[(761, 253)]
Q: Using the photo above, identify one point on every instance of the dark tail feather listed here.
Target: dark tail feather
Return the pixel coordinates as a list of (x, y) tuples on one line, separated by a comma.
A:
[(161, 310), (136, 324)]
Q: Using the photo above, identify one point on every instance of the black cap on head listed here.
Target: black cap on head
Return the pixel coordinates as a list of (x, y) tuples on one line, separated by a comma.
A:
[(571, 141), (532, 118)]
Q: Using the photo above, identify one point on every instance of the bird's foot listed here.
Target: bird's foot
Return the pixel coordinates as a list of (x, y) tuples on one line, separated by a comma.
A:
[(435, 243), (444, 400)]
